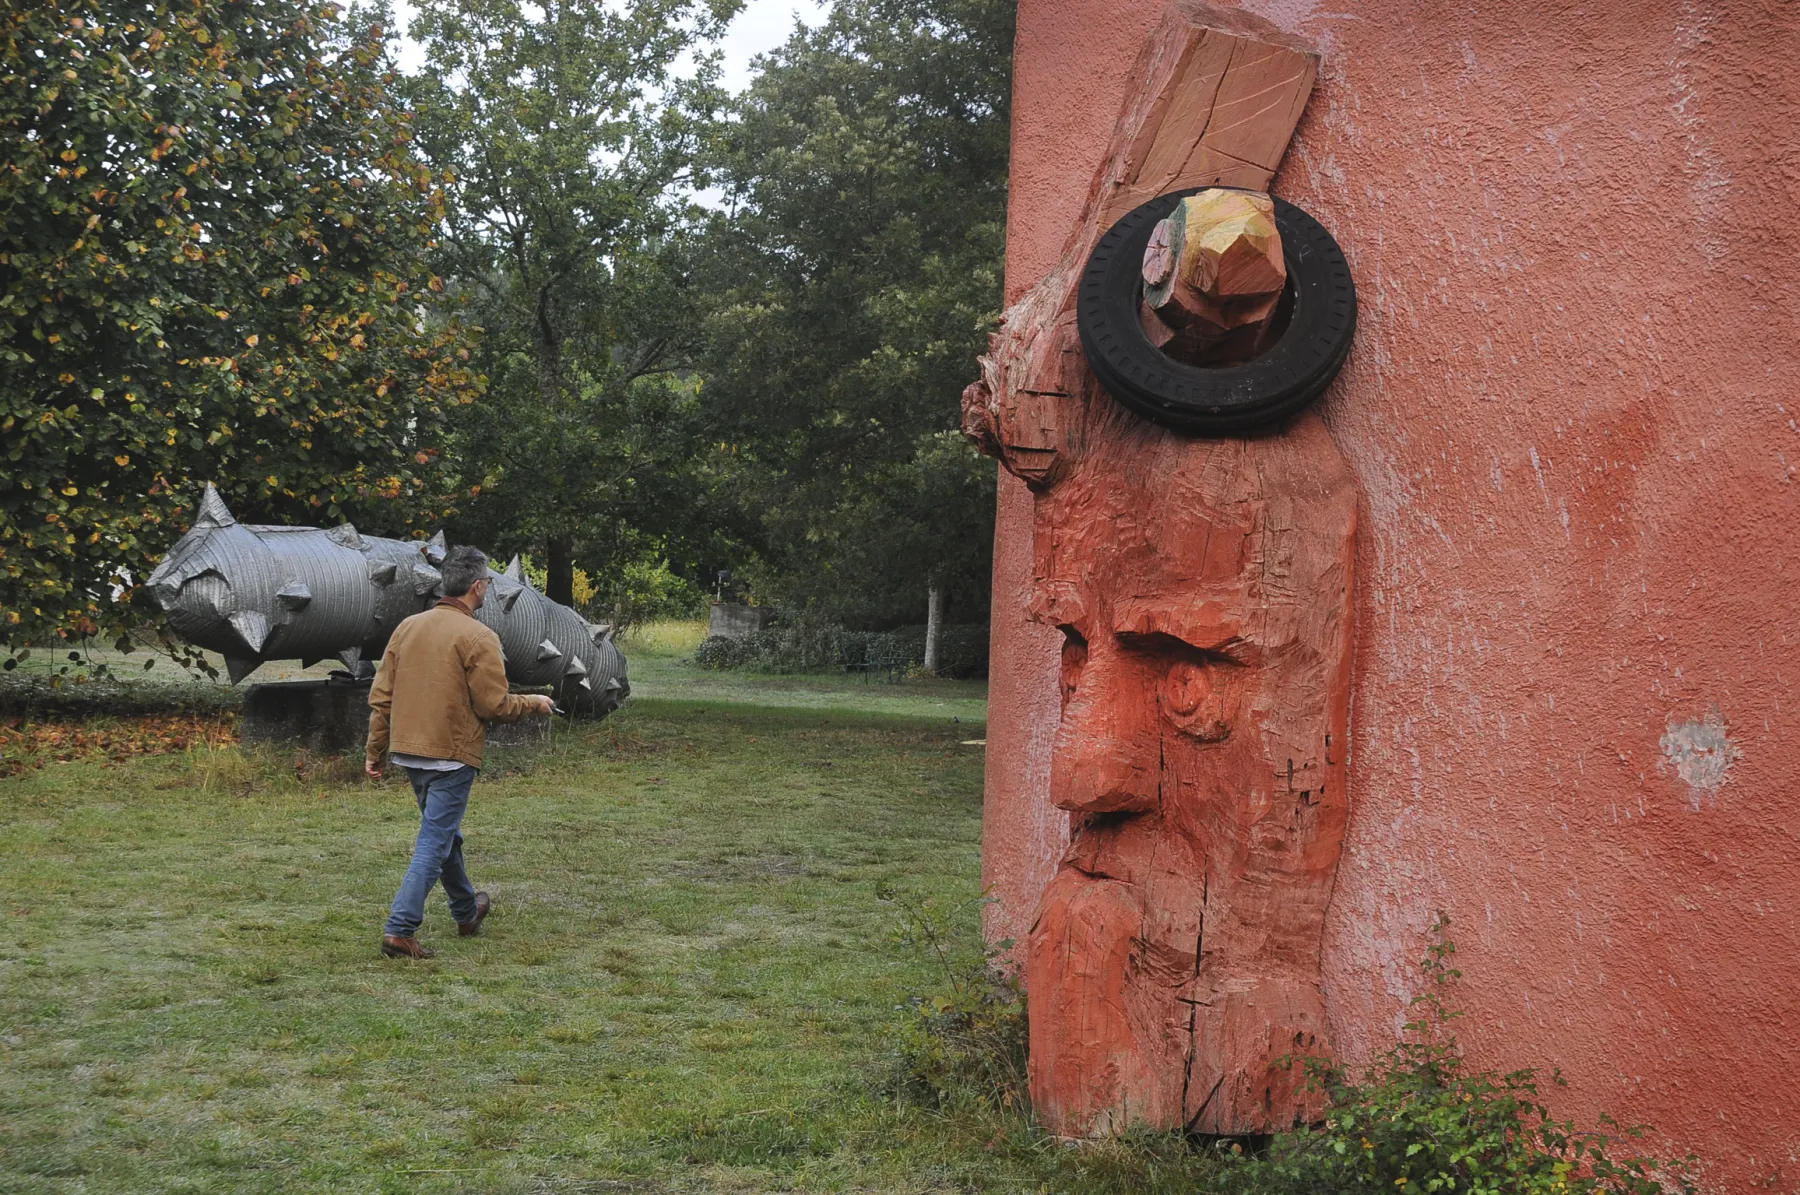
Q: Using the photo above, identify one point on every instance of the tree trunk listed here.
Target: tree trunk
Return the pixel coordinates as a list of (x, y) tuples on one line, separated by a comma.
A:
[(560, 585), (934, 624), (549, 354)]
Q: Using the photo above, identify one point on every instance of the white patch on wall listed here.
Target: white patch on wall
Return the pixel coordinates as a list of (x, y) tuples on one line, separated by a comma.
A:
[(1700, 752)]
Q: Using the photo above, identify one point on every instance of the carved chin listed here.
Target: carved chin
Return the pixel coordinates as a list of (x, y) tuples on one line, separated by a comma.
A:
[(1208, 732)]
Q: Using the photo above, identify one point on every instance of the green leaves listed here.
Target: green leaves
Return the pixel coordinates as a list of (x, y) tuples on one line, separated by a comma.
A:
[(854, 280), (565, 140), (1420, 1119), (211, 267)]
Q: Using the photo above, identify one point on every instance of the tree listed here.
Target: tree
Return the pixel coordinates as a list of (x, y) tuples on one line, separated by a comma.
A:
[(212, 266), (858, 270), (571, 139)]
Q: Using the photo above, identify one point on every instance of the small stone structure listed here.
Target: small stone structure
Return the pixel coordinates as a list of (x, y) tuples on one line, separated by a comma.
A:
[(731, 620)]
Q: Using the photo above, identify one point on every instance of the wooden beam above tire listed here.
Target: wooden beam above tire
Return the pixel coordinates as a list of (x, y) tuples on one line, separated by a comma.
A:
[(1221, 94)]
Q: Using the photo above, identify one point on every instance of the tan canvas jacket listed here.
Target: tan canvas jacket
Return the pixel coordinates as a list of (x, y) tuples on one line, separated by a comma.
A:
[(441, 678)]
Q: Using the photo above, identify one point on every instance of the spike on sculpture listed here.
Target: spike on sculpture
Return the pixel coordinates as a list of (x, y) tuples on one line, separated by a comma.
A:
[(263, 593), (1203, 592)]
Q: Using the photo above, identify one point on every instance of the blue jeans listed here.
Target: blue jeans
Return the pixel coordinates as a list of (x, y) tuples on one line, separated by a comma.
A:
[(443, 796)]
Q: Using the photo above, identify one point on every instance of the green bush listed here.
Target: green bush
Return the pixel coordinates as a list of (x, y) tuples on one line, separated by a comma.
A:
[(720, 653), (642, 592), (962, 1044), (1420, 1120), (802, 647)]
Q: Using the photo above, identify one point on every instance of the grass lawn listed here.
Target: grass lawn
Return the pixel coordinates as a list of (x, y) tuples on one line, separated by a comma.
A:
[(690, 980), (697, 972)]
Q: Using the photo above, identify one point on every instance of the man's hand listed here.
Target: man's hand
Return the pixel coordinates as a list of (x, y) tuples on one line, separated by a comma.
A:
[(541, 704), (374, 768)]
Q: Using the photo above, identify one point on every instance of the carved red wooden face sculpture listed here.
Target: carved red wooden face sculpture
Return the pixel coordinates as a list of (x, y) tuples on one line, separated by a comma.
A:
[(1201, 588)]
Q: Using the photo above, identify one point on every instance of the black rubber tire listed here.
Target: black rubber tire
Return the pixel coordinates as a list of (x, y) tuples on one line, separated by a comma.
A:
[(1232, 399)]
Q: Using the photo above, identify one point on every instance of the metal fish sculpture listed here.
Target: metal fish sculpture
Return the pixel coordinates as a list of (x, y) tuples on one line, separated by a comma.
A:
[(257, 593)]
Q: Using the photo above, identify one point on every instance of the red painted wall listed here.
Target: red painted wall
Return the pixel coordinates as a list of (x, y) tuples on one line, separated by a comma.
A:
[(1572, 410)]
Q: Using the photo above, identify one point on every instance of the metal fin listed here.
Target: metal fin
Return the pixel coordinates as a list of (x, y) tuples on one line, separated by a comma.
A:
[(600, 632), (586, 684), (383, 572), (213, 511), (516, 570), (345, 536), (425, 579), (510, 598), (294, 595), (305, 663), (251, 627), (576, 667), (238, 667), (548, 651), (351, 656), (436, 548)]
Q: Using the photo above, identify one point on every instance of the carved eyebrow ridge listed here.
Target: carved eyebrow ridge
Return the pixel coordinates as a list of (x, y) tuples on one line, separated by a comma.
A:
[(1210, 628)]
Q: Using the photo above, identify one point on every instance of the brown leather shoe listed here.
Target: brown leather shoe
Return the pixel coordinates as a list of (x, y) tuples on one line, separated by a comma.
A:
[(405, 948), (469, 929)]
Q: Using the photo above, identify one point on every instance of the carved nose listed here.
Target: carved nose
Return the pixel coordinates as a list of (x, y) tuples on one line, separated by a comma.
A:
[(1106, 759)]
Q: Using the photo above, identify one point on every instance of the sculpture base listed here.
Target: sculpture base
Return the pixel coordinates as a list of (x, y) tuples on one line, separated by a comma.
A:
[(331, 717), (328, 717)]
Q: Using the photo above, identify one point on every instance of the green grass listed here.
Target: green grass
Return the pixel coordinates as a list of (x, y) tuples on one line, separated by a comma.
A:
[(689, 981), (696, 977), (692, 979), (659, 656)]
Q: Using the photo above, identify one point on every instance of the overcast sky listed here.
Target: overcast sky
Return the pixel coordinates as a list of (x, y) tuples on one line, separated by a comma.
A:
[(763, 25)]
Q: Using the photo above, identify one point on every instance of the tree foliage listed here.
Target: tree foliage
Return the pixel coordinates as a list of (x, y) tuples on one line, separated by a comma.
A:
[(856, 273), (572, 141), (212, 240)]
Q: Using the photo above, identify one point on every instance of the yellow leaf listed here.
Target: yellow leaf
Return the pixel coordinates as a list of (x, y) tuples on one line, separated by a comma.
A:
[(121, 461), (71, 491)]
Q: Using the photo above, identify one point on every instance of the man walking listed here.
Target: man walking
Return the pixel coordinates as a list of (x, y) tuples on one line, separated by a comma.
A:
[(441, 679)]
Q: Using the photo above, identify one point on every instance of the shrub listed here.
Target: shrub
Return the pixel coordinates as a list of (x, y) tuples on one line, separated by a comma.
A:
[(1420, 1120), (963, 1043), (719, 653), (636, 593), (801, 646)]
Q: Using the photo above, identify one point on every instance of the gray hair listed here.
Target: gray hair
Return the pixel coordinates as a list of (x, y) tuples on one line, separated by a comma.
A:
[(462, 567)]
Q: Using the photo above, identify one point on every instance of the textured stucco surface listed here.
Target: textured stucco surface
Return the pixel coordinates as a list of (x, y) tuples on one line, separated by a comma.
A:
[(1572, 412)]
